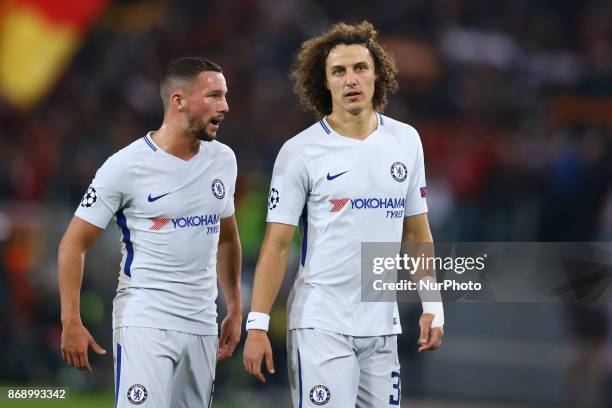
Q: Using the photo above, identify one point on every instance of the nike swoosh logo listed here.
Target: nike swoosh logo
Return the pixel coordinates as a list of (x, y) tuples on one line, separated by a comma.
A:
[(249, 321), (330, 177), (151, 199)]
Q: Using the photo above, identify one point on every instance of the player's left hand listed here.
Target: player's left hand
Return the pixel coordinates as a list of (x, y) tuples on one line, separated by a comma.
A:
[(429, 339), (230, 335)]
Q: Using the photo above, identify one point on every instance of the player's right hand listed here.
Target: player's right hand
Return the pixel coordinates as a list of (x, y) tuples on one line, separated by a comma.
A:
[(256, 348), (75, 342)]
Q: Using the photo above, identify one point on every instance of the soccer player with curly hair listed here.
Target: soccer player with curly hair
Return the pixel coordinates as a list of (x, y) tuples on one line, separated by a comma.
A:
[(353, 176)]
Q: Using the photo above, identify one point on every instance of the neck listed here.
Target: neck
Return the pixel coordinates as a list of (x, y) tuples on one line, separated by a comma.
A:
[(357, 126), (176, 142)]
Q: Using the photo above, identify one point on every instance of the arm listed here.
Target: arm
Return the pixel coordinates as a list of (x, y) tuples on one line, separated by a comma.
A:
[(229, 257), (416, 231), (269, 274), (79, 236), (271, 266)]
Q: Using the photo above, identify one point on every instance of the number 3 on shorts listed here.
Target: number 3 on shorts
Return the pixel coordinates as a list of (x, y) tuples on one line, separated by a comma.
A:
[(395, 400)]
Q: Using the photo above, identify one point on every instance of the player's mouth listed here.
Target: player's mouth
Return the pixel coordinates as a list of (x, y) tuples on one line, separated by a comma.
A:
[(352, 95), (216, 122)]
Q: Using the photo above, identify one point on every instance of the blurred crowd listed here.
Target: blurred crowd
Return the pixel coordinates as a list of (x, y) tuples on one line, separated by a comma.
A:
[(512, 100)]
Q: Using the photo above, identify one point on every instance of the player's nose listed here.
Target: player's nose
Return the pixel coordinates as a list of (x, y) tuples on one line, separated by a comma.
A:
[(351, 78), (224, 107)]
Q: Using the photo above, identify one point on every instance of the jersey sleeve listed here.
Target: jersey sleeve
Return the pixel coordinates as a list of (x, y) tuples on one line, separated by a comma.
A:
[(229, 209), (104, 197), (289, 187), (416, 201)]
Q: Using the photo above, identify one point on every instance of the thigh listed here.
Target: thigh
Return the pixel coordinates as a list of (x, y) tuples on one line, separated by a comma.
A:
[(379, 380), (323, 369), (143, 367), (194, 376)]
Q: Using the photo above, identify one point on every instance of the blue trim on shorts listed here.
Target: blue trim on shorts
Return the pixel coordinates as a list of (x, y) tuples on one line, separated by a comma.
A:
[(210, 397), (300, 377), (118, 374)]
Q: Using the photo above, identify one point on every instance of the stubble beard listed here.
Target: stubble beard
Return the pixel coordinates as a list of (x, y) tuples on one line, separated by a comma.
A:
[(203, 135), (200, 132)]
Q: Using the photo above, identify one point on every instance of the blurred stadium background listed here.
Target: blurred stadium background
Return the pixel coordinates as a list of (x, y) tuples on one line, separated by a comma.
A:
[(513, 101)]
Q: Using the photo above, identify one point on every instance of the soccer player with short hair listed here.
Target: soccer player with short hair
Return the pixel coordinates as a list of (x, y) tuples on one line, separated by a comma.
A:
[(342, 352), (171, 194)]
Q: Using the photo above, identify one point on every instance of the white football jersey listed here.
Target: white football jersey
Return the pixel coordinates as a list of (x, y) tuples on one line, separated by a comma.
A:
[(346, 191), (168, 211)]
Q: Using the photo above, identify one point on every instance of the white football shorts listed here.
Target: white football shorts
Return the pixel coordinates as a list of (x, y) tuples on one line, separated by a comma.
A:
[(163, 368), (328, 370)]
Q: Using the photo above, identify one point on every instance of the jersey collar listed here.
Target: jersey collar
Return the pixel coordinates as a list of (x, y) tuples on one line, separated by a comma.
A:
[(330, 131)]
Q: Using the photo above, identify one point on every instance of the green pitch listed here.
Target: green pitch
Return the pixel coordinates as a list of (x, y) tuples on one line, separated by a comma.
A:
[(105, 400), (100, 400)]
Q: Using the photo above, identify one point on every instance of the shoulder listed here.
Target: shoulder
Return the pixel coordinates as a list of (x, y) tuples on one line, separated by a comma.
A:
[(117, 171), (222, 154), (220, 150), (128, 157), (297, 146), (400, 129)]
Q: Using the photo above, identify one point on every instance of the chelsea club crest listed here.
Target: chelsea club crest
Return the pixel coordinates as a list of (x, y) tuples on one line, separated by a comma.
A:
[(137, 394), (399, 171), (218, 189), (320, 395)]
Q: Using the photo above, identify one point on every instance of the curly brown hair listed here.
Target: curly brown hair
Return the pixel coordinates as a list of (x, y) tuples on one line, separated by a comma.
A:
[(308, 72)]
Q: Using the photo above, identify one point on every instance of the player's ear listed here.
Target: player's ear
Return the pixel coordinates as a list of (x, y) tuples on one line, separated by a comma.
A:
[(177, 100)]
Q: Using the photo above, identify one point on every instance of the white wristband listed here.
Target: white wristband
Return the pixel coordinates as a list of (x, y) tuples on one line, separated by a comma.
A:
[(431, 300), (257, 321)]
